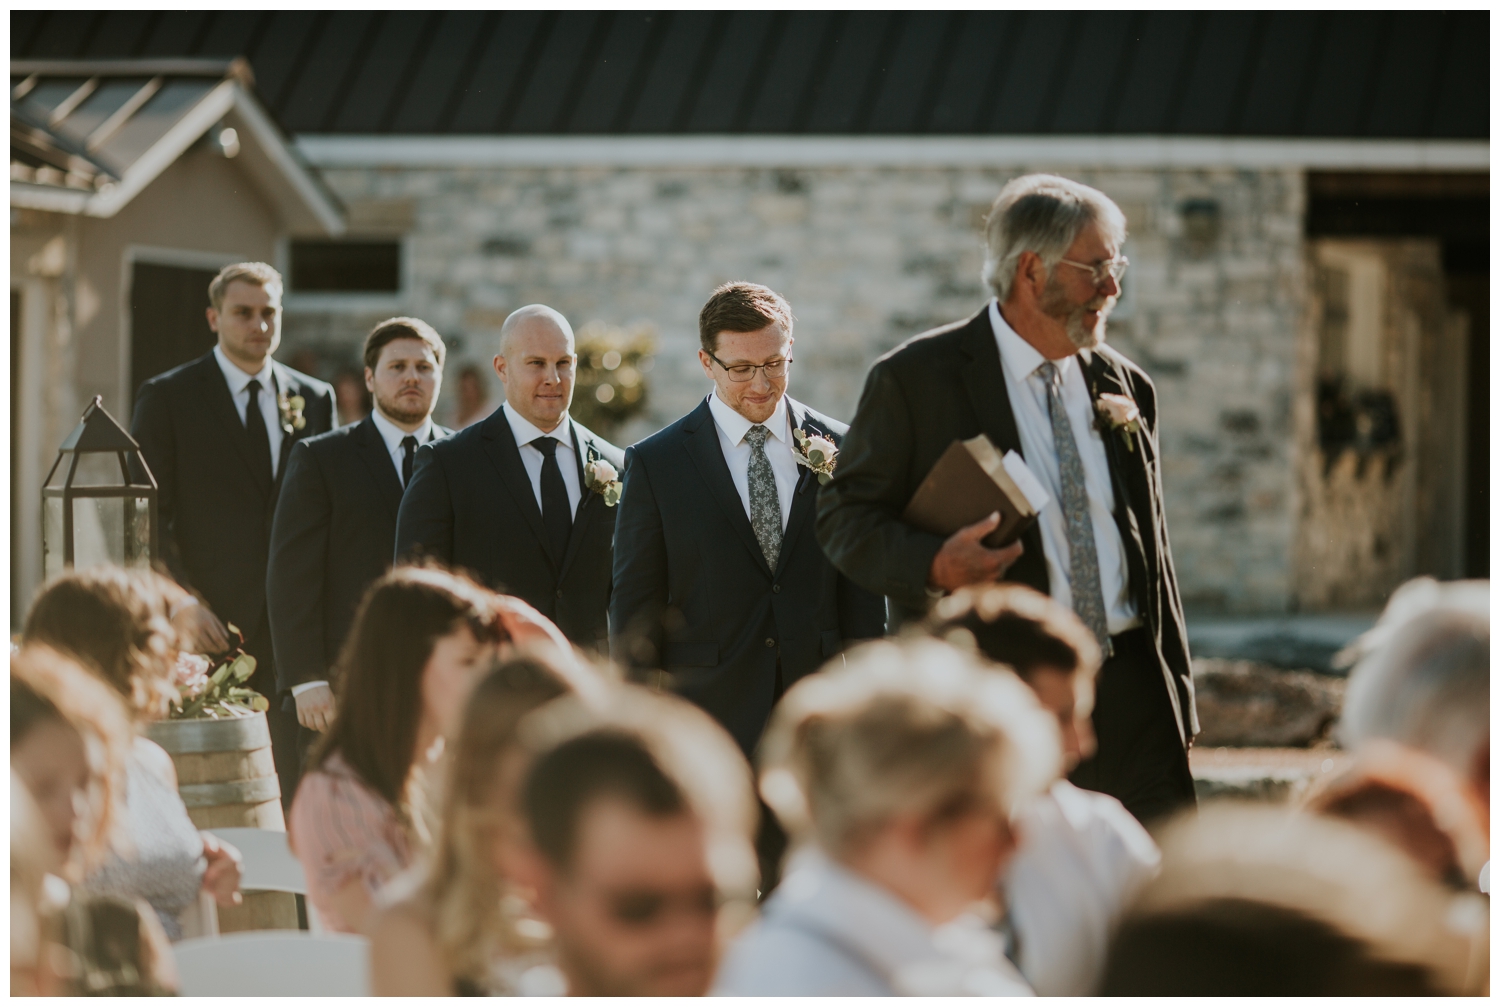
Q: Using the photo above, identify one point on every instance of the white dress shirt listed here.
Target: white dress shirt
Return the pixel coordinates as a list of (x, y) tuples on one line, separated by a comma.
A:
[(531, 456), (394, 435), (239, 391), (1082, 858), (732, 429), (1028, 402), (827, 931)]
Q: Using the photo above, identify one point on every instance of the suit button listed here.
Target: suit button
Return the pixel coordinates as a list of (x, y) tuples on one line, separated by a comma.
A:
[(770, 642), (775, 588)]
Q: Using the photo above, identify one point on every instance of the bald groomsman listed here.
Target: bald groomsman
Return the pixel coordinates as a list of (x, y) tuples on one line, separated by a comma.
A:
[(524, 499)]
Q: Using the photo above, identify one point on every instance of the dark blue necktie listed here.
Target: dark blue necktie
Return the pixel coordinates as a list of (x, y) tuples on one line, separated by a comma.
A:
[(557, 517)]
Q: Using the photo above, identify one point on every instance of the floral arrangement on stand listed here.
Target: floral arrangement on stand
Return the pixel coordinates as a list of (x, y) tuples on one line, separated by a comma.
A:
[(610, 384), (214, 687)]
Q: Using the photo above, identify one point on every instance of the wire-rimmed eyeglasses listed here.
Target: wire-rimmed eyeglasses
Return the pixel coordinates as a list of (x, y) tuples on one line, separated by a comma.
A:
[(1113, 268), (775, 369)]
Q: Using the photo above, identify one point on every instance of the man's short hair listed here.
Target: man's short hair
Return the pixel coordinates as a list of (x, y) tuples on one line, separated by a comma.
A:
[(742, 307), (1013, 625), (1423, 673), (912, 726), (1042, 214), (393, 329), (255, 273)]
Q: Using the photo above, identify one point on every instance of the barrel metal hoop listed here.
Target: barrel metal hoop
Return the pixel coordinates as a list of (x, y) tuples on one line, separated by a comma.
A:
[(212, 795), (233, 734)]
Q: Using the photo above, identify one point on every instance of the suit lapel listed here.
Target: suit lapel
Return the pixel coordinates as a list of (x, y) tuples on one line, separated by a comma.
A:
[(220, 404), (984, 381), (1127, 471), (708, 458), (805, 496), (500, 445), (286, 385), (588, 501), (372, 449)]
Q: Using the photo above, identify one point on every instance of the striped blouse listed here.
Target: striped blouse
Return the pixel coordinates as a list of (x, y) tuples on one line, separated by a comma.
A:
[(343, 831)]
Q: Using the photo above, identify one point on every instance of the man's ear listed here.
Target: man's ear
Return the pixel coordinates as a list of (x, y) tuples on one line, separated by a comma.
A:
[(526, 868), (213, 318), (500, 367), (369, 381), (707, 363)]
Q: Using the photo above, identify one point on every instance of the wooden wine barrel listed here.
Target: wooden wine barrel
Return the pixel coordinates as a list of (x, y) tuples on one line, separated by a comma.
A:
[(226, 777)]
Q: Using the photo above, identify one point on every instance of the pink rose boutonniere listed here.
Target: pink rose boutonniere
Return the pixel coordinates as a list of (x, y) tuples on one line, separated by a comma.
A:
[(1119, 412), (816, 453), (602, 478)]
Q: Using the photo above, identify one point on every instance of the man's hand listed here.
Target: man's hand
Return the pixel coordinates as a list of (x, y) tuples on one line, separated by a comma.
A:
[(221, 878), (315, 707), (965, 560), (201, 630)]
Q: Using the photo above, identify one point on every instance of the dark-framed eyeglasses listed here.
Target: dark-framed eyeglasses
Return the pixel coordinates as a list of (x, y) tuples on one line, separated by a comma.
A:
[(774, 369), (1113, 268)]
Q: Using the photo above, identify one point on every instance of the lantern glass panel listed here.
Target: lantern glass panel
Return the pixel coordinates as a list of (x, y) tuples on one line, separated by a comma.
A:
[(52, 537), (98, 531)]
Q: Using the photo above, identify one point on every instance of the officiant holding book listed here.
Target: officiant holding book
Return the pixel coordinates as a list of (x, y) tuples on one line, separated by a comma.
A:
[(1031, 372)]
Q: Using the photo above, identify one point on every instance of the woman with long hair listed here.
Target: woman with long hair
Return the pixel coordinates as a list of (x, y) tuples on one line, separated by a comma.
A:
[(117, 623), (458, 928), (421, 640)]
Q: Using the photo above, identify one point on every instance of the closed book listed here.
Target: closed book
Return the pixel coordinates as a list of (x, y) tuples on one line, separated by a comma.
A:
[(970, 482)]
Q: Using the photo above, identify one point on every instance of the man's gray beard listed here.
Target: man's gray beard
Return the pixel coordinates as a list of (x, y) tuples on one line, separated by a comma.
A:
[(398, 415), (1056, 305), (1082, 337)]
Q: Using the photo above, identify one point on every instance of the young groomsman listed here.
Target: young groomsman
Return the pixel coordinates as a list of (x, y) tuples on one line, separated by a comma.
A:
[(336, 520), (719, 579), (525, 499), (216, 433)]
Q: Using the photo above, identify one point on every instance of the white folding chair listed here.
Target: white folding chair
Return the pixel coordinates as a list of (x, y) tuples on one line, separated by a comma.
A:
[(269, 865), (272, 963)]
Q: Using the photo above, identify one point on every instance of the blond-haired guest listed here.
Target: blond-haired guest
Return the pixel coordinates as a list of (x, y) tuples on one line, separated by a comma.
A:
[(903, 769)]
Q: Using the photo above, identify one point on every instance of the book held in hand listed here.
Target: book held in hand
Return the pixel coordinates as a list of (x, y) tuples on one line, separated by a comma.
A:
[(969, 483)]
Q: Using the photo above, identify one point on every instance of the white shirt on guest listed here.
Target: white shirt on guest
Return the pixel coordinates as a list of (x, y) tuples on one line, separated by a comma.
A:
[(732, 429), (531, 456), (239, 391), (1082, 858), (394, 435), (827, 931), (1028, 402)]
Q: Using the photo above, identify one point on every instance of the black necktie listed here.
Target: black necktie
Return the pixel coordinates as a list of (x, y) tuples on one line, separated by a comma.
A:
[(409, 447), (557, 518), (255, 426)]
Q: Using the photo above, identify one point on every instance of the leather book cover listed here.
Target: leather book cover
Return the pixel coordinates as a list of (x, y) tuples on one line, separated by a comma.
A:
[(969, 482)]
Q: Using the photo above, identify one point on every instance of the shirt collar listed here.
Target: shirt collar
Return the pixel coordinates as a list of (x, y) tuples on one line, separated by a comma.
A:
[(1019, 358), (525, 431), (237, 378), (735, 426), (394, 435)]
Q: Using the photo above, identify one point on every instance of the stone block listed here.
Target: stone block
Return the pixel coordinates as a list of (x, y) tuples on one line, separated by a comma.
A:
[(1247, 703)]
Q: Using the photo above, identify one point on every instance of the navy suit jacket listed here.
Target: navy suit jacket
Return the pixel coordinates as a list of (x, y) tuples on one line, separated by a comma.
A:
[(332, 538), (694, 595), (470, 504)]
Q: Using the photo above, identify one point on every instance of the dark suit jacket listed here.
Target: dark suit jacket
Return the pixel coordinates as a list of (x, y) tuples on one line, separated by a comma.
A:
[(334, 530), (946, 385), (215, 511), (694, 595), (470, 505)]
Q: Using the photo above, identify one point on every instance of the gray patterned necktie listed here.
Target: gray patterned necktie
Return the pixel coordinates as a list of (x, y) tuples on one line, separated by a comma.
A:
[(765, 504), (1083, 557)]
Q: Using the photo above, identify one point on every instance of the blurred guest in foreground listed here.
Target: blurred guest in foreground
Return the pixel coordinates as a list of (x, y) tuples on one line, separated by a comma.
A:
[(640, 853), (1082, 856), (115, 622), (420, 641), (904, 768), (1258, 901), (460, 928)]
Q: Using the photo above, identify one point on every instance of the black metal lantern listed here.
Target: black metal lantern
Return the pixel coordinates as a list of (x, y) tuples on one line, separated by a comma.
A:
[(88, 518)]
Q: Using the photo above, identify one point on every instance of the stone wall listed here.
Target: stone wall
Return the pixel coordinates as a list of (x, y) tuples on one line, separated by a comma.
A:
[(1212, 308)]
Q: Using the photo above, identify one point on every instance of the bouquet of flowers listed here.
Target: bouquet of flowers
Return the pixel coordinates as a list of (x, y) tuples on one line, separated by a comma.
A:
[(214, 687)]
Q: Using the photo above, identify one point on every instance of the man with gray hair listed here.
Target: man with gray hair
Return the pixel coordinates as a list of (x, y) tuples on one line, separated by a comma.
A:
[(525, 499), (1030, 371)]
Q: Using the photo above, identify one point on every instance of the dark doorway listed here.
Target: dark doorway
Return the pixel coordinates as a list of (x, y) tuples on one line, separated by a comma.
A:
[(167, 324), (1455, 209)]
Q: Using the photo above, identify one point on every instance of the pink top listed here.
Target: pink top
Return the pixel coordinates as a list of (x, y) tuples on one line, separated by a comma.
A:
[(343, 831)]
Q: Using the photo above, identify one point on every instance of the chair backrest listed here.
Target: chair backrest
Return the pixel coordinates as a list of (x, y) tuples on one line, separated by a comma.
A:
[(273, 963)]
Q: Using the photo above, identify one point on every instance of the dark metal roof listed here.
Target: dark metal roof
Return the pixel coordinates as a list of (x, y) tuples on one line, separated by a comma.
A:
[(1375, 74)]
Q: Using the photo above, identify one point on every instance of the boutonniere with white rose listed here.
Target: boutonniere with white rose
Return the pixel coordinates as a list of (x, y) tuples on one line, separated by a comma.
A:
[(816, 453), (291, 407), (1119, 412), (602, 477)]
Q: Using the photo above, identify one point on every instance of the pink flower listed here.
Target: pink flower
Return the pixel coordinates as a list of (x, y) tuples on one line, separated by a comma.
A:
[(604, 472), (1119, 410), (190, 674)]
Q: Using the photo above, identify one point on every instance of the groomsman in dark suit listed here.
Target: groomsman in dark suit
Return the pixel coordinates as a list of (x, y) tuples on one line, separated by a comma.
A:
[(719, 579), (1031, 371), (216, 433), (336, 520), (524, 499)]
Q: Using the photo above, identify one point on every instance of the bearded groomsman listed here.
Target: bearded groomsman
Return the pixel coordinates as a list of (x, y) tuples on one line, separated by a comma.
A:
[(1030, 370), (718, 578), (216, 433), (524, 499), (336, 519)]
